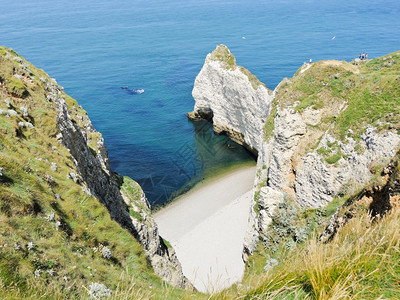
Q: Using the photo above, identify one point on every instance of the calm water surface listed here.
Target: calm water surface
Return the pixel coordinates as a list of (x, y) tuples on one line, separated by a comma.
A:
[(93, 48)]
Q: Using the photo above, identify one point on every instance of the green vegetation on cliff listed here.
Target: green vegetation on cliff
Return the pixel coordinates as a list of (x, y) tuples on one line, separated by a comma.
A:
[(358, 258), (222, 54), (56, 240), (349, 96), (228, 60)]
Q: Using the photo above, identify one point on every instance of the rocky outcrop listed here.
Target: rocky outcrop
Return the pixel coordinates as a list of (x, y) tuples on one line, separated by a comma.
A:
[(96, 178), (232, 98), (310, 178), (301, 154), (317, 181), (262, 210), (303, 159)]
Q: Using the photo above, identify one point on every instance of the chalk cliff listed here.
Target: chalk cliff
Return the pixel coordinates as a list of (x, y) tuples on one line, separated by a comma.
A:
[(233, 98), (98, 179), (48, 116), (318, 135)]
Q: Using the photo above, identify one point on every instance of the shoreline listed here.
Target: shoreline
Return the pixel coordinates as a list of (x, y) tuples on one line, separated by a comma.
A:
[(209, 177), (207, 225)]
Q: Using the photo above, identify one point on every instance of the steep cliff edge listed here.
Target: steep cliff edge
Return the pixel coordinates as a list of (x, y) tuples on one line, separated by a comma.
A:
[(54, 162), (233, 98), (77, 134), (330, 126), (347, 249), (326, 129)]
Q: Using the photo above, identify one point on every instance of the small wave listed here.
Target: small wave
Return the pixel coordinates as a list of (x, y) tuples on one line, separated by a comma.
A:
[(133, 91)]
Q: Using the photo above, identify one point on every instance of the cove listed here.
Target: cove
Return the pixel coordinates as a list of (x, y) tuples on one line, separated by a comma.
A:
[(206, 157)]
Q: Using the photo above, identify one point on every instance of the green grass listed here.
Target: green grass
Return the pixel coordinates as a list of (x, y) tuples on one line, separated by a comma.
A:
[(369, 92), (333, 158), (136, 215), (222, 54), (168, 244), (131, 188), (256, 207), (16, 86), (228, 60), (361, 262), (252, 78), (323, 151), (68, 253), (270, 122)]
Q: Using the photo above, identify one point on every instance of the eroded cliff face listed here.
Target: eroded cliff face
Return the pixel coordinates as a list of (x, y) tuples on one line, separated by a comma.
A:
[(310, 179), (233, 98), (65, 122), (323, 133), (90, 156), (332, 123)]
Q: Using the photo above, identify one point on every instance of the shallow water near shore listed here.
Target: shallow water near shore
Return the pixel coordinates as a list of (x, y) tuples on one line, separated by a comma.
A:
[(93, 48), (200, 181)]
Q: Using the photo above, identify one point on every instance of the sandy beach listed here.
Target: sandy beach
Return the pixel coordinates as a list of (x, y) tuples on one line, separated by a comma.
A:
[(206, 227)]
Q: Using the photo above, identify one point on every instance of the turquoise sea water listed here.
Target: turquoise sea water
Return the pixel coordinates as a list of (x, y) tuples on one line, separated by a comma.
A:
[(93, 48)]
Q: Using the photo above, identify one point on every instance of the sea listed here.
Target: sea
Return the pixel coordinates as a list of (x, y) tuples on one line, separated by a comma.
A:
[(131, 64)]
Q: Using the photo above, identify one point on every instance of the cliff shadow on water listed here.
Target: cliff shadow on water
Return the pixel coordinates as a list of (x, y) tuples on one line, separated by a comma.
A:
[(205, 156)]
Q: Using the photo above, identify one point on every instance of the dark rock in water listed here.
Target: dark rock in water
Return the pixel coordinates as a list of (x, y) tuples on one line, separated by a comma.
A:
[(132, 91), (201, 115)]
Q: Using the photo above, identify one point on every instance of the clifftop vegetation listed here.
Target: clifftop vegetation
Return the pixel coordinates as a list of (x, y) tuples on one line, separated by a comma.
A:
[(349, 96), (346, 250), (228, 60), (222, 54), (57, 241)]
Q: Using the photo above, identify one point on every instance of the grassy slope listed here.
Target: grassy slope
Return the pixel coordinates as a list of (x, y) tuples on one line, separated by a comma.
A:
[(360, 262), (69, 257), (363, 259), (369, 94), (350, 266)]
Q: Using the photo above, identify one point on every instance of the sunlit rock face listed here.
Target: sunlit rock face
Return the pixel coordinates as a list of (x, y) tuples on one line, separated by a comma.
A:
[(232, 98)]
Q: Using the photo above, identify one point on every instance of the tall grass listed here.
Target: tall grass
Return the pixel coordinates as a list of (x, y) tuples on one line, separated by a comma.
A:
[(361, 262), (66, 257), (369, 95)]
